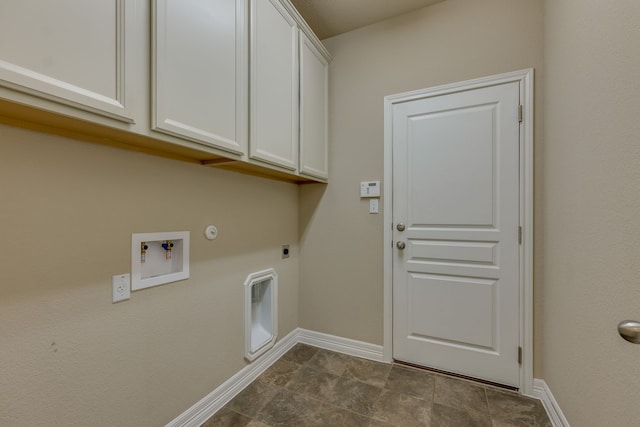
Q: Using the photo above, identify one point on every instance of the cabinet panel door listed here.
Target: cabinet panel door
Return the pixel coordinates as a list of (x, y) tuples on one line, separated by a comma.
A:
[(200, 71), (68, 51), (274, 85), (313, 111)]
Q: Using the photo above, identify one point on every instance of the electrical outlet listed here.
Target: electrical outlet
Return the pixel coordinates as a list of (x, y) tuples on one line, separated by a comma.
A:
[(121, 286)]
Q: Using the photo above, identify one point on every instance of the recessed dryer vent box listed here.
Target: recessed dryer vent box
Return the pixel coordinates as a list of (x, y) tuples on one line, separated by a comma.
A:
[(159, 258), (260, 312)]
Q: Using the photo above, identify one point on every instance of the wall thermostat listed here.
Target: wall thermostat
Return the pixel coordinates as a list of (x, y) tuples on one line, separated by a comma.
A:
[(370, 189)]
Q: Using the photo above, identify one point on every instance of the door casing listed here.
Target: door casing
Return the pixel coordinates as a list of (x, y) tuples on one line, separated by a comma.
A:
[(525, 80)]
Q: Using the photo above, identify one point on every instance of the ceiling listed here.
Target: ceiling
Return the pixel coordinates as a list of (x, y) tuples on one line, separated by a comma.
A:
[(329, 18)]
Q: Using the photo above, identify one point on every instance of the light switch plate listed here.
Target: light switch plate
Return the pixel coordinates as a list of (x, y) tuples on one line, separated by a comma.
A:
[(373, 206)]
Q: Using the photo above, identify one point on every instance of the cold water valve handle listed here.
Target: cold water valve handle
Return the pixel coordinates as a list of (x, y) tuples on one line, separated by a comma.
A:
[(167, 245)]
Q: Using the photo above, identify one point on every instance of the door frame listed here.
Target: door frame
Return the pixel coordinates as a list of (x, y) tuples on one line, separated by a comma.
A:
[(525, 79)]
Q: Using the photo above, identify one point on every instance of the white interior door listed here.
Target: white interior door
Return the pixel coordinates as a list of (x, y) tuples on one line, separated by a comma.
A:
[(456, 198)]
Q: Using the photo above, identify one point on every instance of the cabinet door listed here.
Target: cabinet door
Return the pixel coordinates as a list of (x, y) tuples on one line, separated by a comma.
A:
[(274, 85), (314, 70), (200, 71), (72, 52)]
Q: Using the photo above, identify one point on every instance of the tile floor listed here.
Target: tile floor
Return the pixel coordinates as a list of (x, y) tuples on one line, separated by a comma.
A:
[(309, 386)]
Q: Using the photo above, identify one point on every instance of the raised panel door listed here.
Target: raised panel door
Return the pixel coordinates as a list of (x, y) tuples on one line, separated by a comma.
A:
[(200, 71), (456, 283), (313, 111), (274, 85), (72, 52)]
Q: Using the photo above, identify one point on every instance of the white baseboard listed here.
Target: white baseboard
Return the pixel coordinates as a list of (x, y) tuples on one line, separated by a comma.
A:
[(214, 401), (342, 345), (542, 391)]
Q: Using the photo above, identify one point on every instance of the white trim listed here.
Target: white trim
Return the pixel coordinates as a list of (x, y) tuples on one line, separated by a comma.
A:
[(542, 391), (526, 218), (304, 27), (387, 221), (525, 78), (342, 345), (214, 401), (211, 403)]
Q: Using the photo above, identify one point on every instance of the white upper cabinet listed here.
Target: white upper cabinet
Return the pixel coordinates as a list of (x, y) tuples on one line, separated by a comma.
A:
[(200, 72), (235, 84), (314, 71), (274, 85), (71, 52)]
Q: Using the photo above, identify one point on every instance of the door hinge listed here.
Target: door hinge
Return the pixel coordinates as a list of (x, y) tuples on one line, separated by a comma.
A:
[(519, 355), (520, 235), (520, 114)]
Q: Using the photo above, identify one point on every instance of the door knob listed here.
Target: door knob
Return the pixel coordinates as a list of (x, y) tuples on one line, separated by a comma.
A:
[(400, 226), (400, 245), (630, 331)]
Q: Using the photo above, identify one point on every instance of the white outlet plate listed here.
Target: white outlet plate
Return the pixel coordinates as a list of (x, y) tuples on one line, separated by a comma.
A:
[(121, 286)]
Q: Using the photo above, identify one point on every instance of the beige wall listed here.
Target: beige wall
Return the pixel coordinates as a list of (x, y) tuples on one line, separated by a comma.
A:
[(591, 218), (68, 356), (341, 243)]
